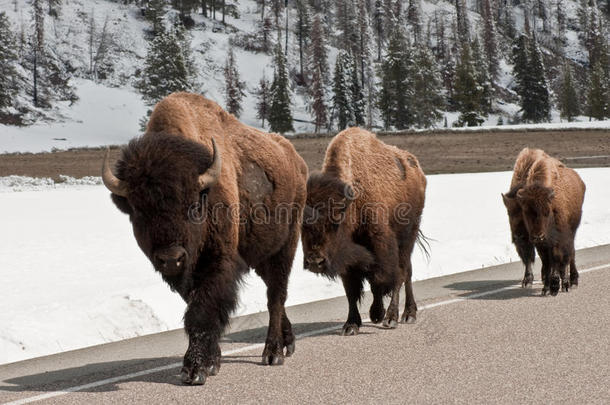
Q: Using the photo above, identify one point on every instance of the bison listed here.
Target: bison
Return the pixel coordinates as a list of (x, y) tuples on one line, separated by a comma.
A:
[(544, 207), (208, 198), (362, 220)]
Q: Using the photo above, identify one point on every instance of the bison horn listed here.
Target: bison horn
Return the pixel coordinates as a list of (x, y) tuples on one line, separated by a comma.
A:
[(111, 182), (211, 176)]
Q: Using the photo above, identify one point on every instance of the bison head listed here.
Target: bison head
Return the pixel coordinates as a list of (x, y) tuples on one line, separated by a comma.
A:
[(535, 202), (325, 231), (162, 182)]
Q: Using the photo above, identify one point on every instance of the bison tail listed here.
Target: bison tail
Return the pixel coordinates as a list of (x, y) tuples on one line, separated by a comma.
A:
[(423, 243)]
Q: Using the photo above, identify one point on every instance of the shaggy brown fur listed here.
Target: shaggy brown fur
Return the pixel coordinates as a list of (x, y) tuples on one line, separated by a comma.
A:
[(362, 220), (544, 207), (211, 237)]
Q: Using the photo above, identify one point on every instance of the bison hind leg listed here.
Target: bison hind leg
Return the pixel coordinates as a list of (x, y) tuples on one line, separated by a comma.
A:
[(573, 274), (377, 310), (275, 272)]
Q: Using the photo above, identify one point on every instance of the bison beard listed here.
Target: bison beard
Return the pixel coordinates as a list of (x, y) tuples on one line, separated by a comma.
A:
[(544, 208), (351, 228), (197, 159)]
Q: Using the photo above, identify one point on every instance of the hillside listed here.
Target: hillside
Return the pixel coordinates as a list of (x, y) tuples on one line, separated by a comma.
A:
[(105, 104)]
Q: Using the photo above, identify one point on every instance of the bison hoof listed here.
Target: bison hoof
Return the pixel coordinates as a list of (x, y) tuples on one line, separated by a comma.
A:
[(273, 360), (565, 287), (408, 319), (527, 282), (554, 286), (190, 377), (350, 330), (290, 349), (213, 369), (390, 323), (544, 292), (376, 313)]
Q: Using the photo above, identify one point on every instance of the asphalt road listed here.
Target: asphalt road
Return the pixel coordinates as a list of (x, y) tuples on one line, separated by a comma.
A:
[(478, 339)]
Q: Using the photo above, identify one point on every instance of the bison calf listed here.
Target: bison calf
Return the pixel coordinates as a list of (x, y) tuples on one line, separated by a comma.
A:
[(362, 220), (208, 198), (544, 207)]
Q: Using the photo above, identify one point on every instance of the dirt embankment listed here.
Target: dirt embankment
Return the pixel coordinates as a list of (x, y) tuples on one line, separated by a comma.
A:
[(461, 152)]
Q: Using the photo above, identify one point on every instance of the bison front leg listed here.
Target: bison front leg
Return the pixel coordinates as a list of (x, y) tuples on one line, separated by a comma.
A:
[(573, 273), (206, 316), (275, 272), (555, 278), (352, 282), (545, 272), (527, 253), (386, 273), (391, 315)]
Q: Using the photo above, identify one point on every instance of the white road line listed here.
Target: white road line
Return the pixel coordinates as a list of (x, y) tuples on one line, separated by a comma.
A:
[(252, 347), (587, 157)]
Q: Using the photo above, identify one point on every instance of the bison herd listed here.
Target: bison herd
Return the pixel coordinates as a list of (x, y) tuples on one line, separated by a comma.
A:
[(209, 198)]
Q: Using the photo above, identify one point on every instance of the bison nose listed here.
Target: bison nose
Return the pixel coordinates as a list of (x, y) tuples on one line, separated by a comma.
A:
[(539, 238), (314, 260), (170, 261)]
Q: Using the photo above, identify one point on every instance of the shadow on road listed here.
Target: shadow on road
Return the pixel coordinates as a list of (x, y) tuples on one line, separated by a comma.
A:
[(472, 288), (58, 380)]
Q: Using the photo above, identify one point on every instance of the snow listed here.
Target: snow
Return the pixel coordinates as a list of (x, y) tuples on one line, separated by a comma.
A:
[(73, 275), (109, 112), (102, 116)]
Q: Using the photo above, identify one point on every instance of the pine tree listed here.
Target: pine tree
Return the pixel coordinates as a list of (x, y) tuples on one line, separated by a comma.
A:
[(379, 26), (280, 116), (463, 25), (303, 30), (38, 52), (568, 100), (317, 66), (520, 58), (234, 87), (598, 95), (165, 69), (414, 18), (154, 12), (595, 40), (490, 42), (467, 92), (394, 94), (318, 51), (318, 106), (426, 99), (537, 104), (342, 91), (562, 19), (357, 96), (8, 58), (263, 99), (482, 75), (365, 60), (347, 36)]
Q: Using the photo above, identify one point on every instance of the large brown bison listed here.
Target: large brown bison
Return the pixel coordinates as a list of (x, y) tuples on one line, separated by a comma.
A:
[(362, 220), (208, 198), (544, 207)]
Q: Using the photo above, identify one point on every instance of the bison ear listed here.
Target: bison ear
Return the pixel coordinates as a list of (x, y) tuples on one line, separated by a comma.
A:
[(349, 194), (507, 200), (520, 195)]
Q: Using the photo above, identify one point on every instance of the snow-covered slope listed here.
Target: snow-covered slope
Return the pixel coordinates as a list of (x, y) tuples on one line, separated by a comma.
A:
[(108, 111), (73, 276)]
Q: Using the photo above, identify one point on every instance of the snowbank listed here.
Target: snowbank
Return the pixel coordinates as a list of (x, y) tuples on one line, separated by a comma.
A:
[(73, 275), (102, 116)]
